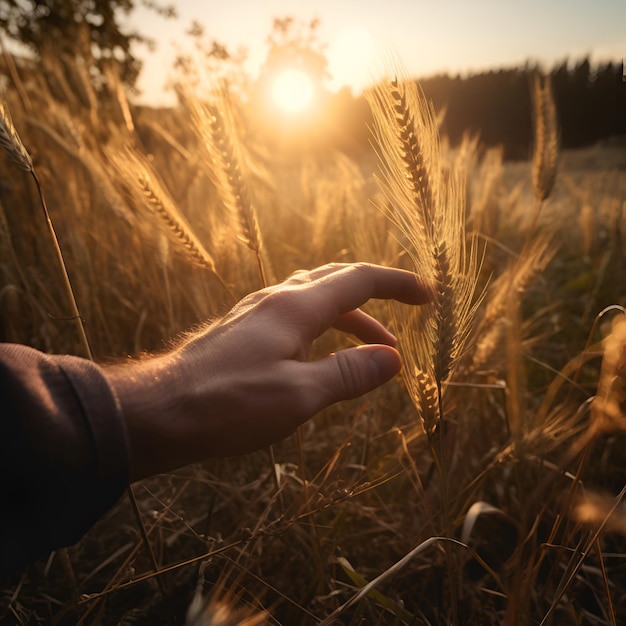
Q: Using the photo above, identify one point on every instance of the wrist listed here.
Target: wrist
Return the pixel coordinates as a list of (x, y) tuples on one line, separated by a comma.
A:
[(149, 393)]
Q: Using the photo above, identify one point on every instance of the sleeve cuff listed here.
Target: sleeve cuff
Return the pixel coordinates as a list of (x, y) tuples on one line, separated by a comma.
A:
[(104, 418)]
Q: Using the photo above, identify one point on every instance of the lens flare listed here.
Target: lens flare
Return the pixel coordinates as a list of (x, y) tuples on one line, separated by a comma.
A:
[(292, 91)]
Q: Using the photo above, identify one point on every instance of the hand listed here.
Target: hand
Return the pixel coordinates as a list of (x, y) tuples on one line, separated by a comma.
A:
[(244, 381)]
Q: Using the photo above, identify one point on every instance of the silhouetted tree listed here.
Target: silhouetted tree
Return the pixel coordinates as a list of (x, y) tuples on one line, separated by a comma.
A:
[(84, 29)]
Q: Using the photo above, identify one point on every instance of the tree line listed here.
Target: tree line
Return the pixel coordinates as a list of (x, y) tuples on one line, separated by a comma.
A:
[(590, 102), (497, 106)]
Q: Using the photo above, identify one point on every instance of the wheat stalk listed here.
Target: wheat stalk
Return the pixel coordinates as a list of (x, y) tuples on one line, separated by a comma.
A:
[(427, 206), (515, 280), (52, 79), (11, 143), (76, 72), (214, 123), (546, 149), (146, 187), (115, 87), (158, 202), (546, 146)]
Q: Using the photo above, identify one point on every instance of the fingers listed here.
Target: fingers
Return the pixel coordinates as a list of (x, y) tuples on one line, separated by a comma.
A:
[(349, 374), (392, 283), (365, 327), (335, 290)]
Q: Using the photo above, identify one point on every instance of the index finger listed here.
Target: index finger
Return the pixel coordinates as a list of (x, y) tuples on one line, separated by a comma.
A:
[(350, 286)]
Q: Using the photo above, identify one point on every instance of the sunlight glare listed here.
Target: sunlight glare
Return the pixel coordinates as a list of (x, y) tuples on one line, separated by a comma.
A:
[(350, 57), (292, 90)]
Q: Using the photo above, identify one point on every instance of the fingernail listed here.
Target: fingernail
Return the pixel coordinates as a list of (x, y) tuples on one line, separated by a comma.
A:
[(385, 364)]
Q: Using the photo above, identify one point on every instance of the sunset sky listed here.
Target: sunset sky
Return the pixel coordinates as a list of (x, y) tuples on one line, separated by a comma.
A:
[(428, 36)]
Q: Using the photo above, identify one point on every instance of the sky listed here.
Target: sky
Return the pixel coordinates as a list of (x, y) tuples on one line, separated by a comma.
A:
[(426, 36)]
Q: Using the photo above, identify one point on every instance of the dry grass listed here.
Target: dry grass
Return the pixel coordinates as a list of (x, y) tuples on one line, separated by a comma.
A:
[(484, 487)]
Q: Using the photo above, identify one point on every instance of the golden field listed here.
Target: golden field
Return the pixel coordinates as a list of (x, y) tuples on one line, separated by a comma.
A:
[(483, 486)]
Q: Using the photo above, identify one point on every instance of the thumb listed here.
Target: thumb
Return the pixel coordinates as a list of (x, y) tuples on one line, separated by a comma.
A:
[(351, 373)]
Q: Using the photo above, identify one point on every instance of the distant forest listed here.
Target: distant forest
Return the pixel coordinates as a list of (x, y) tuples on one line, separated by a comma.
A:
[(497, 105)]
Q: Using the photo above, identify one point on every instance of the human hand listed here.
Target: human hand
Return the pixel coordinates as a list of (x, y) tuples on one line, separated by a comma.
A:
[(244, 381)]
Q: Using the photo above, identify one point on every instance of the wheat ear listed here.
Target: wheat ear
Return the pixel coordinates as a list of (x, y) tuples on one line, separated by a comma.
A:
[(516, 279), (13, 146), (11, 143), (214, 123), (146, 187), (546, 148), (608, 410), (428, 208)]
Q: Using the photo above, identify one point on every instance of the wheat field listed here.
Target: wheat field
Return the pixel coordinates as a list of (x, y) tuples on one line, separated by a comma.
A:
[(484, 485)]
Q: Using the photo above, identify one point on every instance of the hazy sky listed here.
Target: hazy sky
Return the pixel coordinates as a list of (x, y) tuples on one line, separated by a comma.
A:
[(428, 36)]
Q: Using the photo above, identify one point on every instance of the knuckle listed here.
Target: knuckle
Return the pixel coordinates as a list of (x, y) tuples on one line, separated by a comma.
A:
[(254, 298), (298, 276), (335, 265), (282, 302), (361, 266), (352, 377)]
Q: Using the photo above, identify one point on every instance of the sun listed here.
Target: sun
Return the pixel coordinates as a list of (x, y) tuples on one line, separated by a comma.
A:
[(292, 91)]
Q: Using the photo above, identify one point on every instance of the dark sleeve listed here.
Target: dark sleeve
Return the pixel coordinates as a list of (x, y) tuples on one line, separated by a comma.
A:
[(63, 452)]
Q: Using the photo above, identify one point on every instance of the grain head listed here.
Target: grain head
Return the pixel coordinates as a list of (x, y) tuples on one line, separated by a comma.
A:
[(11, 143), (546, 148)]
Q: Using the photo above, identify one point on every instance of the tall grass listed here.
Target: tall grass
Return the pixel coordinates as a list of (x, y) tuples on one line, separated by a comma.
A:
[(482, 486)]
